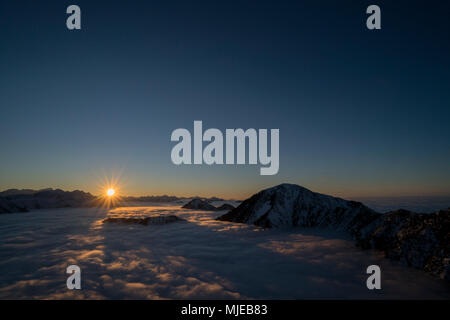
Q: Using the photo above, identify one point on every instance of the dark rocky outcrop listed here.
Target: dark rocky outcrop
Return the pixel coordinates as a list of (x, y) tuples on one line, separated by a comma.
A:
[(418, 240), (199, 204)]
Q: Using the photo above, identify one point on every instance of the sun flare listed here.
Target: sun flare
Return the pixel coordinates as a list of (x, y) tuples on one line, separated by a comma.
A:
[(110, 189)]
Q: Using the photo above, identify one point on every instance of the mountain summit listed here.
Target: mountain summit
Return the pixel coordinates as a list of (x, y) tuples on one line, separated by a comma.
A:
[(292, 205)]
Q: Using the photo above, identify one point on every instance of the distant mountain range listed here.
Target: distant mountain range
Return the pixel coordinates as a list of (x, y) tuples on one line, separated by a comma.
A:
[(14, 200), (24, 200), (418, 240)]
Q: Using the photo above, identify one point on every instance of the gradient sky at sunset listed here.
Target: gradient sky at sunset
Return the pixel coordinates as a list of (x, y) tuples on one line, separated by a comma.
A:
[(360, 113)]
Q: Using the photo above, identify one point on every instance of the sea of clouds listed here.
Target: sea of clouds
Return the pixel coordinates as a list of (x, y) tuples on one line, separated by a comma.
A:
[(199, 258)]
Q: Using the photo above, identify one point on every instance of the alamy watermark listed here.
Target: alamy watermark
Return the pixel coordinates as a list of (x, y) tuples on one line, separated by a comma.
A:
[(374, 280), (235, 139), (74, 280), (73, 22)]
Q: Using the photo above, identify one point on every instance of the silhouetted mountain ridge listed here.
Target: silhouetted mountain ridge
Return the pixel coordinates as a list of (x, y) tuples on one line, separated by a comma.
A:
[(14, 200), (23, 200)]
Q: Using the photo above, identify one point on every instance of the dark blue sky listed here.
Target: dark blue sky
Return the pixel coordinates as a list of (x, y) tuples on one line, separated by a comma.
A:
[(360, 112)]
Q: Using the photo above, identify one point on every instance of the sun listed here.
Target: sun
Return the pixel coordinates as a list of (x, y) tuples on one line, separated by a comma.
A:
[(109, 192)]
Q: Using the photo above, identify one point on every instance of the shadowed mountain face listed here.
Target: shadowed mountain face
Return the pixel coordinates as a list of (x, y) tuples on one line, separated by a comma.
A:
[(418, 240)]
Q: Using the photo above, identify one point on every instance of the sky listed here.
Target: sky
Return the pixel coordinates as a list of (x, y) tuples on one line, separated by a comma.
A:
[(360, 112)]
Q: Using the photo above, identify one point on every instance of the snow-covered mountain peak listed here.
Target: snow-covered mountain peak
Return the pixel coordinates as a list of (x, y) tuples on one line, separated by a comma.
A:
[(294, 205)]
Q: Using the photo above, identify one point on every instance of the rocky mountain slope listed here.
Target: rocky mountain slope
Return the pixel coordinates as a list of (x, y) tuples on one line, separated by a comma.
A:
[(418, 240), (292, 205)]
